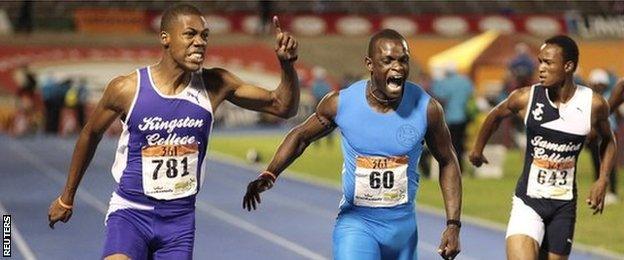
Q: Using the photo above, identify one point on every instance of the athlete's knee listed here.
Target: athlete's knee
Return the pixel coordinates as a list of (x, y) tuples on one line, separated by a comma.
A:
[(117, 257), (553, 256), (521, 247)]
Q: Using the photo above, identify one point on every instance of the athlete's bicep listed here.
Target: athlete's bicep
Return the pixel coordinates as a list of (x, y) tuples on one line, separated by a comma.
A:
[(114, 102), (245, 95), (600, 117), (438, 137), (321, 122), (515, 104)]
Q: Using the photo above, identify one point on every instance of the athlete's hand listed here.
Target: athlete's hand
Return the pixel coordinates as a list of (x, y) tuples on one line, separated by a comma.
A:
[(57, 212), (597, 196), (254, 189), (286, 45), (477, 159), (449, 246)]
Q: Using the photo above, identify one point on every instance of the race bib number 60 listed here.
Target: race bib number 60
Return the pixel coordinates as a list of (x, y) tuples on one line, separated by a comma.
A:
[(380, 181), (169, 171), (551, 180)]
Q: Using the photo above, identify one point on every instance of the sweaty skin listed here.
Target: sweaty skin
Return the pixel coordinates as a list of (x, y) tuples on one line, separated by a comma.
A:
[(388, 64), (184, 45), (556, 75)]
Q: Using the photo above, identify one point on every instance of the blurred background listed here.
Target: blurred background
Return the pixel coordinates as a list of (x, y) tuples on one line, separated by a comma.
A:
[(57, 56)]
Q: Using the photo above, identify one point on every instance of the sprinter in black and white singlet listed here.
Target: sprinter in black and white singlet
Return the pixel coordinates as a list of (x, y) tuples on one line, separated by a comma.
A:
[(558, 114)]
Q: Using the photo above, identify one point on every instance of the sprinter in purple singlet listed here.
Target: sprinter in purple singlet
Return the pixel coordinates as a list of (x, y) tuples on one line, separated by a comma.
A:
[(167, 111)]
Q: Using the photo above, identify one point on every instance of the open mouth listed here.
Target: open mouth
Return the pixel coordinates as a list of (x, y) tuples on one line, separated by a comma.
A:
[(395, 82), (196, 57)]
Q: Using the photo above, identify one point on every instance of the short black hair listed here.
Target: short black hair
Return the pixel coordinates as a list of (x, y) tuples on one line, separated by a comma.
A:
[(568, 46), (172, 13), (383, 34)]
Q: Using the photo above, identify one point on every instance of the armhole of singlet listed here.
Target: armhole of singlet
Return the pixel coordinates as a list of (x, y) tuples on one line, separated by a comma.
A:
[(530, 103), (136, 96)]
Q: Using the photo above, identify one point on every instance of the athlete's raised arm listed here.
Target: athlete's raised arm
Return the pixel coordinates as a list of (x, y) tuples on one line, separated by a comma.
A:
[(114, 102), (284, 100), (316, 126), (438, 140), (515, 104), (600, 122)]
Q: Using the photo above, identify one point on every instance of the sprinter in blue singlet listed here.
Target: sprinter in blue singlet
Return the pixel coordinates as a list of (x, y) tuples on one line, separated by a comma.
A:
[(384, 123), (167, 114)]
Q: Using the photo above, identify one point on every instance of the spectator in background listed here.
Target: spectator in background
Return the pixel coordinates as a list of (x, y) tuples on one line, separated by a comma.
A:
[(454, 91), (265, 7), (600, 82), (25, 121), (53, 93), (522, 66), (320, 85), (25, 19), (76, 99)]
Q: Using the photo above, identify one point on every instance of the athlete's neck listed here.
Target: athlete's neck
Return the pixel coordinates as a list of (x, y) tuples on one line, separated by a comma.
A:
[(379, 100), (562, 93), (169, 78)]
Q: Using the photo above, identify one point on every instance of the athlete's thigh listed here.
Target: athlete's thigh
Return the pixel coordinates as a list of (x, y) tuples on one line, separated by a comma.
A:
[(398, 238), (524, 220), (405, 252), (177, 236), (126, 234), (352, 241), (560, 231)]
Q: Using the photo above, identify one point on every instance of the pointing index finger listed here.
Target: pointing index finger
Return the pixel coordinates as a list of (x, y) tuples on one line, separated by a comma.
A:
[(276, 23)]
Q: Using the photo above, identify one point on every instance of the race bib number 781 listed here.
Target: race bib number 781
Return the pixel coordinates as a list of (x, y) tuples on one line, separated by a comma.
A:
[(169, 171)]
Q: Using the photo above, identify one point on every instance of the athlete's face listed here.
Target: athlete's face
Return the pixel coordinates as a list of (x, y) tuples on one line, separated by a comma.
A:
[(186, 41), (389, 66), (552, 68)]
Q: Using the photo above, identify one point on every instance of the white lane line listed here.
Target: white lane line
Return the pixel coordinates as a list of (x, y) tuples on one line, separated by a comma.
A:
[(56, 175), (282, 199), (20, 242), (271, 237), (313, 180)]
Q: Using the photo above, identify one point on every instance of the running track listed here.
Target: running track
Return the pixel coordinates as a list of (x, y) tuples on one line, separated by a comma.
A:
[(294, 222)]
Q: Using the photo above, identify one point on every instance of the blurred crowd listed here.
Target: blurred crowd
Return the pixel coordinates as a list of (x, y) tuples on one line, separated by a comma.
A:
[(49, 104)]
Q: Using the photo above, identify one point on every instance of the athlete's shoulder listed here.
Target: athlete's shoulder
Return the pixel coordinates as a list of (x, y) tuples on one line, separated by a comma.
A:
[(328, 106), (598, 101), (520, 96), (122, 85), (354, 86)]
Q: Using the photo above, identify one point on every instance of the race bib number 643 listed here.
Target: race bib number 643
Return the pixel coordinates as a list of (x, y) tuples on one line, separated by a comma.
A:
[(380, 181), (551, 180), (169, 171)]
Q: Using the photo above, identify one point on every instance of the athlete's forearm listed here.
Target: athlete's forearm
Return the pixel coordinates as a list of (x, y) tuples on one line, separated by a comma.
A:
[(451, 186), (83, 153), (290, 149), (287, 92), (607, 158), (491, 124)]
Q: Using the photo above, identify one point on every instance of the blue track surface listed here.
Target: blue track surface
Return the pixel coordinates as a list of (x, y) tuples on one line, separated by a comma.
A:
[(294, 221)]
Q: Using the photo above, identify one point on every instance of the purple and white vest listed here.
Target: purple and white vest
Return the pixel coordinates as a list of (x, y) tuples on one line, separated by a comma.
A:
[(162, 149)]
